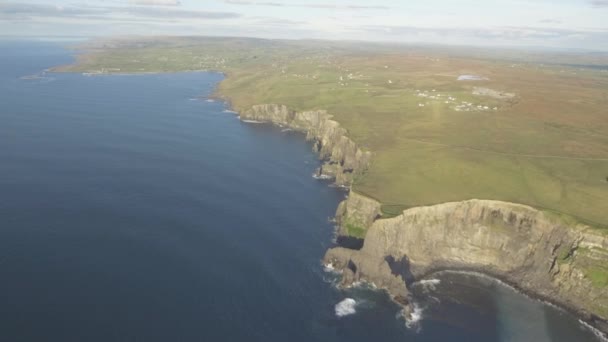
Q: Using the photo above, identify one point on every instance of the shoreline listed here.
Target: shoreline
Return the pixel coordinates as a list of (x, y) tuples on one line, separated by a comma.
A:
[(576, 313), (585, 319), (589, 320)]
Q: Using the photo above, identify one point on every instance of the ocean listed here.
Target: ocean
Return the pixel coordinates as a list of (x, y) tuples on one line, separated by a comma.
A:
[(137, 208)]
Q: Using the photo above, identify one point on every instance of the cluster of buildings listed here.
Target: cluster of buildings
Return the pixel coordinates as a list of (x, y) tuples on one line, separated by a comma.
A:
[(459, 106)]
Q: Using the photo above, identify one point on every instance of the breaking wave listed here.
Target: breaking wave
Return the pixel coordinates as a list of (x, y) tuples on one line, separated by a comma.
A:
[(428, 284), (415, 317), (412, 321), (346, 307), (599, 334), (329, 267)]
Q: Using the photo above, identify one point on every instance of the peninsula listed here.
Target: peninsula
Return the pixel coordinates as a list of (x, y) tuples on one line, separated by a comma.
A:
[(456, 158)]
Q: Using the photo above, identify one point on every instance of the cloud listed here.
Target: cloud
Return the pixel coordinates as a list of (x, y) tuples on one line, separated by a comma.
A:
[(17, 11), (599, 3), (507, 33), (275, 22), (25, 10), (175, 14), (550, 21), (318, 5), (156, 2), (254, 3)]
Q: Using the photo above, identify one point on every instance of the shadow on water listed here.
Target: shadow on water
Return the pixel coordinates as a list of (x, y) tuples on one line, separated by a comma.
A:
[(493, 311)]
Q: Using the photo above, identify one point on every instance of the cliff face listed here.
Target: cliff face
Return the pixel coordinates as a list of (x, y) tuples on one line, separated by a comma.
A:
[(538, 252), (533, 250), (356, 214), (342, 159)]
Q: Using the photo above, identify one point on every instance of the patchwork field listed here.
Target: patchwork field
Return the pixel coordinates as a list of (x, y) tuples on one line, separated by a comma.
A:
[(530, 128)]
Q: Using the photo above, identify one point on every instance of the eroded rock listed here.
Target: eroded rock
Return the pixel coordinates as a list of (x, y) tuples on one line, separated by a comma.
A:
[(523, 246)]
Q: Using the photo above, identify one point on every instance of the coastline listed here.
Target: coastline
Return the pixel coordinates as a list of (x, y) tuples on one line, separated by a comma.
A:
[(331, 156), (592, 320), (530, 295)]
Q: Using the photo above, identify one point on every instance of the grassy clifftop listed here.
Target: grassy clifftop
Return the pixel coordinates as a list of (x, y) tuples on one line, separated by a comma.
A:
[(523, 132)]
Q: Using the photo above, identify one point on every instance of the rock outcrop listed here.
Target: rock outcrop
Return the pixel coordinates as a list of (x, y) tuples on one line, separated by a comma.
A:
[(342, 159), (356, 212), (538, 252)]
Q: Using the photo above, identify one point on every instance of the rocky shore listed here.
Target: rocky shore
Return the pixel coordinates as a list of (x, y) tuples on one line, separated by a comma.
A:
[(538, 252), (341, 159), (532, 250)]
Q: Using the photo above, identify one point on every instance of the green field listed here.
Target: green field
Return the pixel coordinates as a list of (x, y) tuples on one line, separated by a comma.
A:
[(545, 146)]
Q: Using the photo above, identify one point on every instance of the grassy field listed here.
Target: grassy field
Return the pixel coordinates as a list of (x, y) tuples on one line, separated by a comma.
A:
[(543, 142)]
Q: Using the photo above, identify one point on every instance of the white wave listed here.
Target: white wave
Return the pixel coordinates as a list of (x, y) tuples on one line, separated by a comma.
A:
[(229, 111), (594, 330), (329, 267), (210, 100), (413, 319), (357, 283), (342, 187), (362, 284), (429, 284), (318, 176), (252, 121), (286, 130), (430, 281), (346, 307), (493, 279)]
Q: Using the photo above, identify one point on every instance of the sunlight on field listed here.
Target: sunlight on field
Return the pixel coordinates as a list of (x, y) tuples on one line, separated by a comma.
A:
[(531, 133)]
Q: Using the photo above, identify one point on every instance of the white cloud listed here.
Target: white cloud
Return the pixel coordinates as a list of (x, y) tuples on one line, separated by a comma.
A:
[(599, 3), (28, 12), (328, 6), (156, 2)]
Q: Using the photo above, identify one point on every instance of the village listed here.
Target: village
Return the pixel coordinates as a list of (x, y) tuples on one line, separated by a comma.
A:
[(455, 104)]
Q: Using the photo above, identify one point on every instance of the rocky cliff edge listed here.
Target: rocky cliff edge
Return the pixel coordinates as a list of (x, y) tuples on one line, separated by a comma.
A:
[(341, 159), (538, 252)]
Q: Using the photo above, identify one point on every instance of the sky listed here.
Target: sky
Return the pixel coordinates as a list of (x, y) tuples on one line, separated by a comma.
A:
[(564, 24)]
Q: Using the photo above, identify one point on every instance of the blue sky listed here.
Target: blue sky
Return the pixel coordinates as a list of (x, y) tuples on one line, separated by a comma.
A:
[(543, 23)]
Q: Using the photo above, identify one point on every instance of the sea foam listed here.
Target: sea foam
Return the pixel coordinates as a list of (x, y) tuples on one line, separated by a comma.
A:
[(412, 321), (429, 284), (329, 267), (346, 307)]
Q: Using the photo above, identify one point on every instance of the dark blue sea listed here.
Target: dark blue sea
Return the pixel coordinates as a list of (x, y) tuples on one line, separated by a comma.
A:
[(135, 208)]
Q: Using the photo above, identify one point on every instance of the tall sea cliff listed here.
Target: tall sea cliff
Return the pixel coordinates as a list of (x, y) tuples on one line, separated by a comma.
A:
[(342, 159), (541, 253)]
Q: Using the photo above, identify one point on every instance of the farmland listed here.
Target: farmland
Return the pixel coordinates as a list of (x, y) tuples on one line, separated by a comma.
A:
[(529, 128)]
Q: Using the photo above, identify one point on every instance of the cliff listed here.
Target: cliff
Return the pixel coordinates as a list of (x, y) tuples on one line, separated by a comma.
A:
[(538, 252), (341, 159), (355, 214), (541, 253)]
